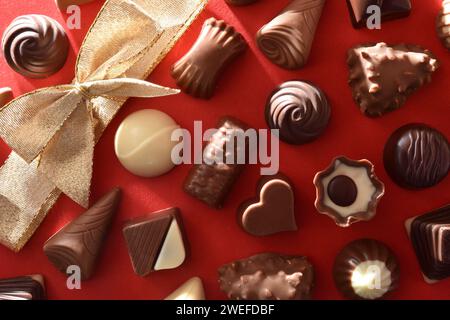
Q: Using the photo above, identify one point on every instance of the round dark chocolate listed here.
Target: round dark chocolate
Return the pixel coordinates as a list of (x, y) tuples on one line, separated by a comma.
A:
[(366, 269), (299, 110), (35, 46), (342, 190), (417, 156)]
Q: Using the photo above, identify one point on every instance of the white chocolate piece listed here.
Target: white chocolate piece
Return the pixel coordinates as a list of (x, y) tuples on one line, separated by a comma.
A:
[(172, 252), (371, 279), (365, 187), (143, 143), (190, 290)]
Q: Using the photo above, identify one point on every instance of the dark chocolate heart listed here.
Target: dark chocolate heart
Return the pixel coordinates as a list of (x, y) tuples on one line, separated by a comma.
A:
[(273, 212)]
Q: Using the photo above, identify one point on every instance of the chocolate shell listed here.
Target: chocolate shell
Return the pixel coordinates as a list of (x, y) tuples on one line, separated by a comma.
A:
[(23, 288), (35, 46), (443, 24), (198, 71), (366, 269), (348, 191), (287, 39), (80, 242), (299, 110), (382, 77), (417, 156), (268, 276), (430, 237)]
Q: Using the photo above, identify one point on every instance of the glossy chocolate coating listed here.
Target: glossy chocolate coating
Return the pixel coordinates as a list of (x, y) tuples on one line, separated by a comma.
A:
[(348, 191), (272, 211), (23, 288), (366, 269), (417, 156), (299, 110), (443, 24), (81, 241), (268, 276), (430, 237), (390, 10), (240, 2), (287, 39), (35, 46), (382, 77), (211, 182), (198, 71)]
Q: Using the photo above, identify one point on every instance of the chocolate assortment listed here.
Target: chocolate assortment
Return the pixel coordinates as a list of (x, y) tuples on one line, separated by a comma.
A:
[(390, 10), (417, 156), (348, 191), (288, 38), (23, 288), (156, 241), (299, 110), (366, 269), (211, 181), (6, 96), (143, 143), (198, 71), (268, 276), (36, 46), (443, 24), (81, 241), (273, 210), (430, 237), (382, 77)]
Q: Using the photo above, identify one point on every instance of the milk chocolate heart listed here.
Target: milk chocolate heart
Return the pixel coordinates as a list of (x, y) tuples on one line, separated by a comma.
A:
[(273, 211)]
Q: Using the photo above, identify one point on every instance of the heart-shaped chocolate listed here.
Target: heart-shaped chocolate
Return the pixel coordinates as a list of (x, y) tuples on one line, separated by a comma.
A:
[(273, 211)]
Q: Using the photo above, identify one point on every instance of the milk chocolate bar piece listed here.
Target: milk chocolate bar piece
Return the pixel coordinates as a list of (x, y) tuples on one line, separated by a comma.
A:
[(212, 180), (382, 77), (23, 288), (198, 71), (390, 10), (268, 276)]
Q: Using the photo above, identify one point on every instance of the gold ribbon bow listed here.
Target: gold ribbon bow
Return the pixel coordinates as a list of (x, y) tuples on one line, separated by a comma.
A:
[(53, 131)]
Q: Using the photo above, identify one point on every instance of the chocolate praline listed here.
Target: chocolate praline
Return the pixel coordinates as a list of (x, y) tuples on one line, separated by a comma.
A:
[(417, 156), (299, 110), (366, 269)]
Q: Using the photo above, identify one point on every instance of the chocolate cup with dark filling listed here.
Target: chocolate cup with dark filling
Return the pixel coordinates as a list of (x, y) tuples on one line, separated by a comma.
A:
[(348, 191)]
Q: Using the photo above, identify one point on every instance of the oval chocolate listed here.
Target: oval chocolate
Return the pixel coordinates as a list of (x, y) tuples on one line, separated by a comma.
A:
[(342, 191), (417, 156)]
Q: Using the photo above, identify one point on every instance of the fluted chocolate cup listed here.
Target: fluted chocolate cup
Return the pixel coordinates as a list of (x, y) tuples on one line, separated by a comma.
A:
[(287, 39)]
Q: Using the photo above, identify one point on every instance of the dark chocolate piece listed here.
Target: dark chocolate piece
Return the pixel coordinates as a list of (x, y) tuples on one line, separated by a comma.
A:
[(240, 2), (156, 241), (81, 241), (348, 191), (268, 276), (430, 237), (287, 39), (382, 77), (390, 10), (272, 211), (217, 45), (5, 96), (35, 46), (443, 24), (299, 110), (23, 288), (366, 269), (417, 156), (212, 180)]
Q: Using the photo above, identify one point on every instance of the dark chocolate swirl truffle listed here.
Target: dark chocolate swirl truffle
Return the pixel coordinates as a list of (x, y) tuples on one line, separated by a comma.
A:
[(417, 156), (299, 110), (443, 24), (366, 269), (35, 46)]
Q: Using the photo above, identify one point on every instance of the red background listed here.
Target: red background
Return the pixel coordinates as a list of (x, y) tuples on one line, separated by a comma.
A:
[(215, 237)]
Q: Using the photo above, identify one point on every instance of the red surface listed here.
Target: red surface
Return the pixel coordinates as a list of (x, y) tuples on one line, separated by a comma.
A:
[(215, 237)]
